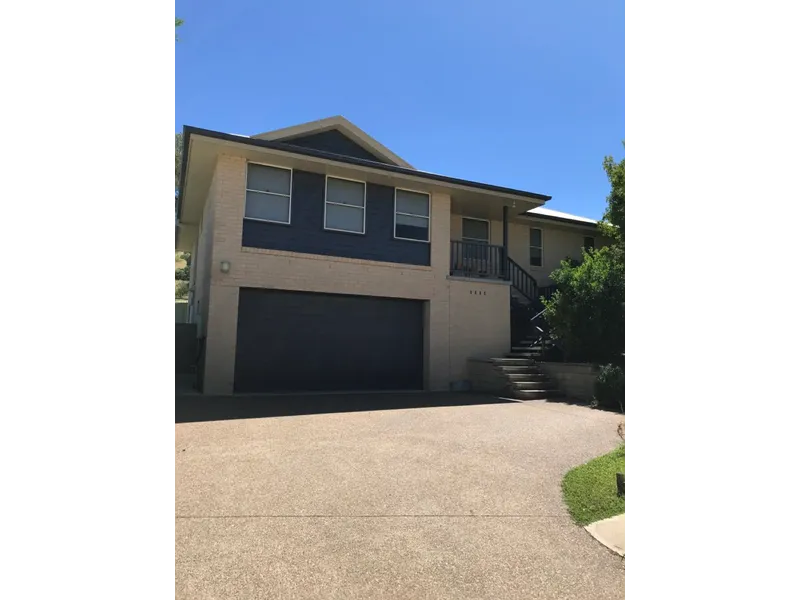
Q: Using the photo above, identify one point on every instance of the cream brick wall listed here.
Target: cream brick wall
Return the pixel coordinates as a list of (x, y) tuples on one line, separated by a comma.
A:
[(462, 319), (576, 380), (202, 265), (480, 323)]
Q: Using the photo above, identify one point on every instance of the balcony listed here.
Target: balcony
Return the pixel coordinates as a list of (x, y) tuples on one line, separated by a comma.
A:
[(478, 260)]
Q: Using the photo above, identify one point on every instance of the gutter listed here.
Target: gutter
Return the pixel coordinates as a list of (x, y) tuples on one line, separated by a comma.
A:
[(188, 131)]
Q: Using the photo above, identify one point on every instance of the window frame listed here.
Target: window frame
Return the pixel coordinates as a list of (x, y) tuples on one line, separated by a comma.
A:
[(291, 188), (476, 240), (363, 208), (594, 242), (540, 247), (394, 226)]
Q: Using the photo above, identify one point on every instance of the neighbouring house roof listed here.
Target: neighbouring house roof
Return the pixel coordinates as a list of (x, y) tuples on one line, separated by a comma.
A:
[(541, 211), (343, 126), (282, 146)]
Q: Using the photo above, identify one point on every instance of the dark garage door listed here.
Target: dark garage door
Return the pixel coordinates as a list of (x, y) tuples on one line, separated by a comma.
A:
[(296, 341)]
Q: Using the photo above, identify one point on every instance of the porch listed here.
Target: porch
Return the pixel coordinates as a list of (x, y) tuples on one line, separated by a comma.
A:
[(491, 242), (474, 226)]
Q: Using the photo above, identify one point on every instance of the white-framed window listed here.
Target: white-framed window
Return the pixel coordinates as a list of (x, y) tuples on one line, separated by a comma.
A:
[(412, 215), (345, 205), (537, 256), (269, 194), (475, 230)]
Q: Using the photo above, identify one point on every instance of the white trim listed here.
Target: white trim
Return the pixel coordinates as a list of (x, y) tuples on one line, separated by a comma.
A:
[(362, 208), (470, 239), (394, 224), (541, 247), (341, 124), (246, 189)]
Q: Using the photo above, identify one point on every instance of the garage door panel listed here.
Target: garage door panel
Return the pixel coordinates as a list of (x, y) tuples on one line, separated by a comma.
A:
[(295, 341)]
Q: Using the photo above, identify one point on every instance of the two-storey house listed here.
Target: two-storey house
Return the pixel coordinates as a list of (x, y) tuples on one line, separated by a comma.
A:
[(324, 261)]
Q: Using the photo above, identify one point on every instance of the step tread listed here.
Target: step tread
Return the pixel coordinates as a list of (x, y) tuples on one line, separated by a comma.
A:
[(510, 361), (534, 388), (537, 394)]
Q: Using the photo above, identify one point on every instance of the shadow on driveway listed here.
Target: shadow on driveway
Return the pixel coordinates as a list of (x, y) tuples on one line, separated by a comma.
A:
[(192, 408)]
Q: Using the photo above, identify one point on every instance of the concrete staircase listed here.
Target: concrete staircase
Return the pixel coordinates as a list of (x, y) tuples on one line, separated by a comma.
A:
[(521, 375)]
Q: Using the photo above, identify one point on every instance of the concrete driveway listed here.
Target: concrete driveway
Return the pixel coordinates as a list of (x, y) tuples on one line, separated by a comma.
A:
[(458, 501)]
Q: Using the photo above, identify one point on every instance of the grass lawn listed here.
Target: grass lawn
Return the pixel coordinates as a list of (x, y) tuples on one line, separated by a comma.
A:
[(590, 490)]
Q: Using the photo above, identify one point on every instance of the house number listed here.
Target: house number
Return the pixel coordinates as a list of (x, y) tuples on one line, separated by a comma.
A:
[(478, 293)]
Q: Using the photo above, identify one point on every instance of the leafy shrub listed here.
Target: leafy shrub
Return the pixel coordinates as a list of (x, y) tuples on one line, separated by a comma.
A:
[(586, 315), (181, 289), (182, 274), (609, 389)]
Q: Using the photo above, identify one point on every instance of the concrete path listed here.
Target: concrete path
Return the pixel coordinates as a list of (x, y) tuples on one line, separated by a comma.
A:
[(610, 532), (436, 502)]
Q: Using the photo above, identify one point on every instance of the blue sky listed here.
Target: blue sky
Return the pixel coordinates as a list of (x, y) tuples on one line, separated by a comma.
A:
[(525, 94)]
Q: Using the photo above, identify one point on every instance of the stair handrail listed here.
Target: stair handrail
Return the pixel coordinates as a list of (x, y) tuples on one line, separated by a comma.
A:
[(544, 336), (522, 280)]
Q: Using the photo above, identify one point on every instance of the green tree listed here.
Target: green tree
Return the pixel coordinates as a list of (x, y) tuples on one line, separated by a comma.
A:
[(587, 313), (178, 147), (613, 223), (178, 150), (181, 274)]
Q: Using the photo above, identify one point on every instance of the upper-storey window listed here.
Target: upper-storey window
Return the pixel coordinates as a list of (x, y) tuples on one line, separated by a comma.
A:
[(475, 230), (536, 247), (269, 194), (412, 215), (588, 242), (345, 205)]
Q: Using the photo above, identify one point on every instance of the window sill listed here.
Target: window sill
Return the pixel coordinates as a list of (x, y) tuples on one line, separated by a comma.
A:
[(327, 230), (267, 221)]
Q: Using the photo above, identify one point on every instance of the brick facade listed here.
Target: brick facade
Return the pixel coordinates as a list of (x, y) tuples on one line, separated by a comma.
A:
[(463, 319)]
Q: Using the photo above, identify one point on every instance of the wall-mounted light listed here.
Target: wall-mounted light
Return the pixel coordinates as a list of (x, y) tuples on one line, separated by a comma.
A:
[(225, 266)]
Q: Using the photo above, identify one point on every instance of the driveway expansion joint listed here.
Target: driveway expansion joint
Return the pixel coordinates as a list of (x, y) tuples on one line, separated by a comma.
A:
[(460, 516)]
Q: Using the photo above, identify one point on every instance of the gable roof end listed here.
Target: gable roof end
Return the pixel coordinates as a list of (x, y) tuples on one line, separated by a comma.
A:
[(345, 127)]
